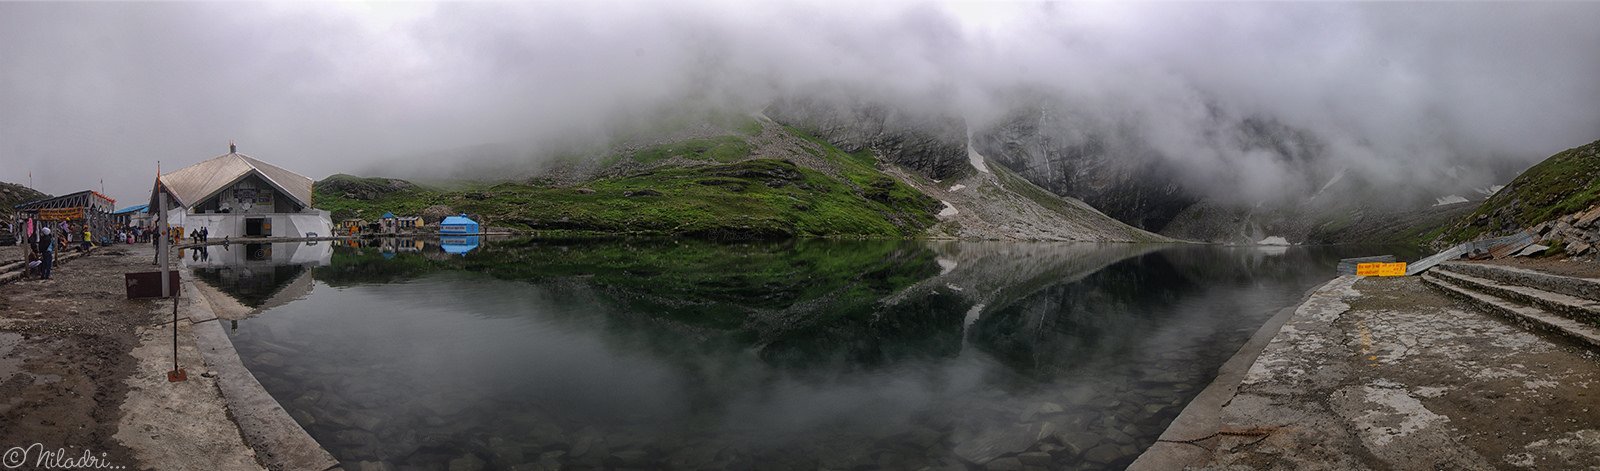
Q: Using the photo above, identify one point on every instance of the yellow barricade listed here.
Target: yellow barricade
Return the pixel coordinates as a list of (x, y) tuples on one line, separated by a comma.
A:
[(1381, 269)]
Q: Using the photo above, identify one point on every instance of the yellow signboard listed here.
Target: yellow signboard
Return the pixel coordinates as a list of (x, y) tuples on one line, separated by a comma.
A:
[(61, 214), (1381, 269)]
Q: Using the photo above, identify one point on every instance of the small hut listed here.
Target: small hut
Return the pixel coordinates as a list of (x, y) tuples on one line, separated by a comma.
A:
[(386, 224), (460, 224)]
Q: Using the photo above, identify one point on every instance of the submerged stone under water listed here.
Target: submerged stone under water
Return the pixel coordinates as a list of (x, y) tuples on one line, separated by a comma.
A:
[(787, 355)]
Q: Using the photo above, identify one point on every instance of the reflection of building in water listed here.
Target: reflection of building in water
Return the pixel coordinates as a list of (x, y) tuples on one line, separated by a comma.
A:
[(254, 255), (458, 245), (400, 244), (244, 279)]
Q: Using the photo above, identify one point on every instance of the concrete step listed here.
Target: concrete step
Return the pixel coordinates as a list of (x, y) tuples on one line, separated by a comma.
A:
[(1527, 316), (1571, 307), (1585, 288)]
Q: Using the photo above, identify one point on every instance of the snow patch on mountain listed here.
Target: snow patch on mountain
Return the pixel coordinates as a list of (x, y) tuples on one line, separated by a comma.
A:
[(1449, 199), (949, 210)]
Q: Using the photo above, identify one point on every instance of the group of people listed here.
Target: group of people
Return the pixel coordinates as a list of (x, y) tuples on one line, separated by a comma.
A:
[(132, 235), (200, 235), (43, 239)]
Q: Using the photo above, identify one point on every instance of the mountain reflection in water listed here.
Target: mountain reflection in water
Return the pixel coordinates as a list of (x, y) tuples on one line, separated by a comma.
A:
[(787, 355)]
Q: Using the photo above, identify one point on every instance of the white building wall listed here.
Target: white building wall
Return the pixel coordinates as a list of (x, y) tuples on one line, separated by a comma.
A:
[(232, 225), (318, 222)]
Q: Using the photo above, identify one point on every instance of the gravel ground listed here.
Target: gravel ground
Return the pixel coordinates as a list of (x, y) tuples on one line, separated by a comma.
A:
[(64, 346), (11, 253), (71, 346)]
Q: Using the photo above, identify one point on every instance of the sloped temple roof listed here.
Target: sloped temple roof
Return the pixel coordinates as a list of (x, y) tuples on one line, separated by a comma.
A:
[(195, 183)]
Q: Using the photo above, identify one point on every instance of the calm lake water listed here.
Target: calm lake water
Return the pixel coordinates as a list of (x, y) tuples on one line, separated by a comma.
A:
[(790, 355)]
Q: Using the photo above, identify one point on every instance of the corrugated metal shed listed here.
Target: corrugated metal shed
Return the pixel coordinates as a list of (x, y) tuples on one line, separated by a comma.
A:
[(193, 184)]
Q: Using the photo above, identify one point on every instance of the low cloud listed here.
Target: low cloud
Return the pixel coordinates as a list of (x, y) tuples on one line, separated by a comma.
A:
[(92, 91)]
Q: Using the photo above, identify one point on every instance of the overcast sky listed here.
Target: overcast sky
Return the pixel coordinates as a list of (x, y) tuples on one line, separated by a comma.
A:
[(92, 91)]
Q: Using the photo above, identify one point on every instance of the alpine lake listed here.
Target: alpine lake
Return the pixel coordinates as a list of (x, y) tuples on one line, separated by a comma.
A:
[(683, 354)]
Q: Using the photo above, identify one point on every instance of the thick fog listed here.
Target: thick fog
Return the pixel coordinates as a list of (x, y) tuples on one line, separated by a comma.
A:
[(104, 91)]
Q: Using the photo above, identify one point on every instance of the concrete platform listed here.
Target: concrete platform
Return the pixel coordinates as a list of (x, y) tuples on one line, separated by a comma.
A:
[(1386, 373)]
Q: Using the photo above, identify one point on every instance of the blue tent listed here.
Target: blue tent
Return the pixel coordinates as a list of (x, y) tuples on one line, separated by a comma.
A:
[(458, 225), (388, 215)]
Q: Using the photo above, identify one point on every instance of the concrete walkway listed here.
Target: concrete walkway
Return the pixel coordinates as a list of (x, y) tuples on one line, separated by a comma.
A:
[(84, 370), (1384, 373), (178, 426)]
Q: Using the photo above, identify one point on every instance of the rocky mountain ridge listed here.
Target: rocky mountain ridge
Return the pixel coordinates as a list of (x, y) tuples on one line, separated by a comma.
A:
[(13, 194), (760, 178)]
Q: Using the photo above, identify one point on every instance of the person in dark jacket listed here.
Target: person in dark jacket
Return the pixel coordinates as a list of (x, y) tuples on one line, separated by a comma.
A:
[(47, 253)]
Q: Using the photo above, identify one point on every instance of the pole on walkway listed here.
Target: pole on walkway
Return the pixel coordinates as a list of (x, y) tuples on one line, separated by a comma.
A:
[(163, 252)]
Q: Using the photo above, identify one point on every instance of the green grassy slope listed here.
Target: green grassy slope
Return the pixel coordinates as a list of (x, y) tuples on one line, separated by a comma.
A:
[(1565, 183), (730, 196)]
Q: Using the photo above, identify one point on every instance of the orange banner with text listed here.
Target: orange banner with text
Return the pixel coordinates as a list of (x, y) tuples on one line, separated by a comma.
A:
[(1381, 269), (61, 214)]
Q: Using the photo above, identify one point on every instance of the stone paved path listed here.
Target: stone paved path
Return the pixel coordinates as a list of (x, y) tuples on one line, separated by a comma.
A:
[(1384, 373)]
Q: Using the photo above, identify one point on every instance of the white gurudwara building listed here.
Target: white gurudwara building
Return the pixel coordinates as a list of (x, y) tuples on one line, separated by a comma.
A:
[(235, 195)]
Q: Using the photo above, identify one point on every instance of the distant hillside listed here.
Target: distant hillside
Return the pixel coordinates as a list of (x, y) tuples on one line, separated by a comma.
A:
[(718, 186), (749, 178), (13, 194), (1565, 183)]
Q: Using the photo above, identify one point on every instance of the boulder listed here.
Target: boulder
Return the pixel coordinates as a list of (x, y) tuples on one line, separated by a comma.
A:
[(1578, 248), (1103, 454), (467, 462), (1004, 464), (373, 466), (1588, 218), (1036, 458), (985, 445)]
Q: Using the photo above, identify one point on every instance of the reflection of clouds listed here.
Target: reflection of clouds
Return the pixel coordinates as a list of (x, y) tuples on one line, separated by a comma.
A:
[(1274, 250), (1100, 341), (995, 273)]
